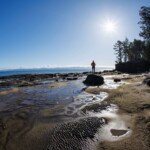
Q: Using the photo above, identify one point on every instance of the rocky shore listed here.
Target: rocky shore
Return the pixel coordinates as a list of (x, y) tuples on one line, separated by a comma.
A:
[(58, 111), (36, 79)]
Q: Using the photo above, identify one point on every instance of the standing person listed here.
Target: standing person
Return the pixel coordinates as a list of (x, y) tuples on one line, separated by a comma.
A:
[(93, 66)]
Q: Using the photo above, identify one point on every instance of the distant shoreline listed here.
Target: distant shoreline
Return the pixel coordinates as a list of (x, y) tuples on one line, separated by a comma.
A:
[(9, 72)]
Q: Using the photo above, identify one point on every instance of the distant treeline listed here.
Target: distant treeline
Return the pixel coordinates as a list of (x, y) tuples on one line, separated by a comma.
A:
[(134, 57)]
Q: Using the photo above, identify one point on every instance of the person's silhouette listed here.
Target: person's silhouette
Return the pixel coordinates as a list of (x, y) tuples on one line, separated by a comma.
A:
[(93, 66)]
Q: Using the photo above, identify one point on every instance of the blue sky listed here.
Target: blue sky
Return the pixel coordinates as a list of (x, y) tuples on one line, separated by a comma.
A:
[(45, 33)]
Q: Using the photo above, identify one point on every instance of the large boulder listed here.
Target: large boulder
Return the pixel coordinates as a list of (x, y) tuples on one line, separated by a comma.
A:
[(94, 80)]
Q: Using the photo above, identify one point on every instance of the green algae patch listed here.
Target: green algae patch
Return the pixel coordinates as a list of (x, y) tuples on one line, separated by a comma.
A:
[(57, 85), (13, 90)]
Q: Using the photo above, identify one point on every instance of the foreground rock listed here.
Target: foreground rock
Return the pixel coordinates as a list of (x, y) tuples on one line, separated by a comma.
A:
[(94, 80)]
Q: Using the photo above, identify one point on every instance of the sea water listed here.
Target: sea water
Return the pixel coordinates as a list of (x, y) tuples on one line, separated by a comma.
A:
[(7, 72)]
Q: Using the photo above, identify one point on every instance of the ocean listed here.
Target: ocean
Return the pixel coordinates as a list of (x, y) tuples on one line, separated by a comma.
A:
[(50, 70)]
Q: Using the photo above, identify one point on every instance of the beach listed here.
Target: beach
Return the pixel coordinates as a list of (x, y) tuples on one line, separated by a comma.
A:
[(58, 111), (74, 75)]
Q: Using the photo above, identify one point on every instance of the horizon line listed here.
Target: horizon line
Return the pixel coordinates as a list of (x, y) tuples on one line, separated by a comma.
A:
[(52, 67)]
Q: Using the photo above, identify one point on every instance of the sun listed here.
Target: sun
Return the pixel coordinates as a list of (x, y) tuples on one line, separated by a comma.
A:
[(110, 26)]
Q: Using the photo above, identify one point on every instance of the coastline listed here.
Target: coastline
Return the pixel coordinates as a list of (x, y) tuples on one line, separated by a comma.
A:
[(22, 80), (34, 115)]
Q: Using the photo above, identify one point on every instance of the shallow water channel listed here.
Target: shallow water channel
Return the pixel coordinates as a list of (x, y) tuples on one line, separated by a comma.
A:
[(42, 117)]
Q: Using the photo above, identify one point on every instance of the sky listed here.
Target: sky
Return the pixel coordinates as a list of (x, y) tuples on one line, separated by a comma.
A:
[(63, 33)]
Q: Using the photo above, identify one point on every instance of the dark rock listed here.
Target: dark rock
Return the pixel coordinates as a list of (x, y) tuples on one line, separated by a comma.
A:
[(145, 106), (56, 80), (106, 71), (117, 80), (96, 107), (29, 77), (83, 89), (72, 78), (94, 80), (24, 83), (75, 75), (147, 81), (85, 73), (23, 80), (63, 76), (147, 119)]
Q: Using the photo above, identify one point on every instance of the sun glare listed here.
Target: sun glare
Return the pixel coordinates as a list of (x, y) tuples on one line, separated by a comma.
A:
[(110, 26)]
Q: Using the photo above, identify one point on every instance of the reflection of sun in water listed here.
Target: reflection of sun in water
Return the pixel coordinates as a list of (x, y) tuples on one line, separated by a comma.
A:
[(110, 26)]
